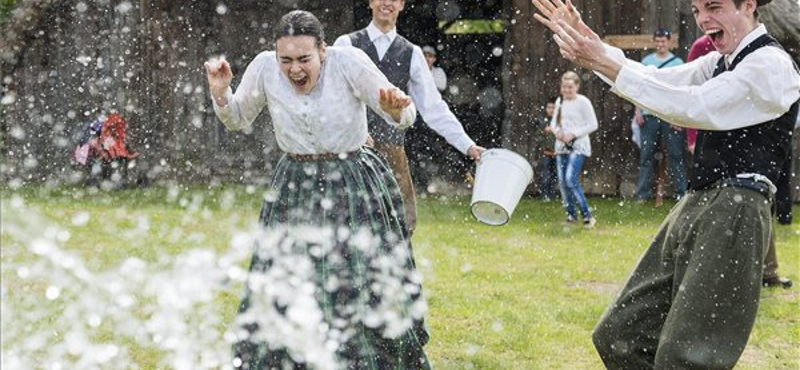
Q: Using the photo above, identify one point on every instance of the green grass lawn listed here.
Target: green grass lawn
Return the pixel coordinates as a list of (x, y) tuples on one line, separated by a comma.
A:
[(522, 296)]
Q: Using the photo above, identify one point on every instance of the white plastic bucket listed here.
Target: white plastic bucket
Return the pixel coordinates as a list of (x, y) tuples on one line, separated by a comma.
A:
[(500, 180)]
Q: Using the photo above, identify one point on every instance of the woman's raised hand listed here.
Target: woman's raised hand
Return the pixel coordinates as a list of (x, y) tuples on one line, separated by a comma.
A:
[(219, 78), (393, 101)]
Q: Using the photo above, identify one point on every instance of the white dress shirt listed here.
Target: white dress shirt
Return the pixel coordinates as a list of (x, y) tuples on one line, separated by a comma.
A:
[(762, 87), (422, 90), (330, 119), (578, 119), (439, 77)]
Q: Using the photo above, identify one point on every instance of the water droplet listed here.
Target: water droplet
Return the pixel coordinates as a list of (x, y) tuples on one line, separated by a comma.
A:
[(52, 292)]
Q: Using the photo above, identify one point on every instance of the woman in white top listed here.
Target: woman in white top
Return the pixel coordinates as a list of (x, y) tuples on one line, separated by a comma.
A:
[(332, 283), (573, 122)]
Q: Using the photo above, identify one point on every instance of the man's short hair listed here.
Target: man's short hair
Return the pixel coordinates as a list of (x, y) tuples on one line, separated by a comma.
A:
[(427, 49)]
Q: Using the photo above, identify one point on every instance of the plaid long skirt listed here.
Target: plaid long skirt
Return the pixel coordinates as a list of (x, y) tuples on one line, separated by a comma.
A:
[(332, 283)]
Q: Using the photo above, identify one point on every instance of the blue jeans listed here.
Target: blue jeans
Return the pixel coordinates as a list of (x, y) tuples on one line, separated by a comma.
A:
[(675, 142), (569, 180), (546, 169)]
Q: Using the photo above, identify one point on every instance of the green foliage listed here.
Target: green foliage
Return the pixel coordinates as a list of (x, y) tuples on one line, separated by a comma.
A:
[(518, 297), (5, 9), (474, 26)]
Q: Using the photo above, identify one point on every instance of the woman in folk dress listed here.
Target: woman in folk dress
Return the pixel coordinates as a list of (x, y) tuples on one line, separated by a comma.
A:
[(332, 283)]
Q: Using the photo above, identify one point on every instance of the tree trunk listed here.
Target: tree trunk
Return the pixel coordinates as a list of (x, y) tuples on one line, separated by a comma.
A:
[(782, 18)]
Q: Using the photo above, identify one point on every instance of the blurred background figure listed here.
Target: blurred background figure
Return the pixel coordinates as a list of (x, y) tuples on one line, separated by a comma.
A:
[(654, 130), (573, 122), (439, 77), (546, 162)]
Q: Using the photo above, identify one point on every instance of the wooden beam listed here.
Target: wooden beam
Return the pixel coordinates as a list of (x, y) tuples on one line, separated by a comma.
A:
[(636, 42)]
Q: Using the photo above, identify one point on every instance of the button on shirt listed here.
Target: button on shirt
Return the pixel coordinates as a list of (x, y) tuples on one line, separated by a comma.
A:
[(422, 90), (761, 88), (331, 118)]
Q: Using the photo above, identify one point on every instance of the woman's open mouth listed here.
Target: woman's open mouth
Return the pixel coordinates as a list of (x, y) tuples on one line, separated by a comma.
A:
[(299, 83)]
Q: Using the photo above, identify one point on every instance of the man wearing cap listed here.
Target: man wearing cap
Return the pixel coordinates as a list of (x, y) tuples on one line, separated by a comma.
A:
[(652, 128), (692, 300), (404, 65)]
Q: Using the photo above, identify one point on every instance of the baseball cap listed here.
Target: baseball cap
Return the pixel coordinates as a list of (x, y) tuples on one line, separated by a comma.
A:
[(662, 32)]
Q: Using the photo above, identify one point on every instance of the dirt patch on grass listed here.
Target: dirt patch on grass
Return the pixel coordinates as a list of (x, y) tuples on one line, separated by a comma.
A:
[(788, 295), (753, 357), (599, 287)]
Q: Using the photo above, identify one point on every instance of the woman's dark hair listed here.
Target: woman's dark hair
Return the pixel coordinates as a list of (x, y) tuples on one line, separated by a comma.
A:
[(300, 23)]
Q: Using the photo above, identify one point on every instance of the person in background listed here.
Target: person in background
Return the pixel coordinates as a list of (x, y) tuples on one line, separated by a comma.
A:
[(783, 213), (783, 196), (655, 130), (332, 282), (692, 300), (572, 123), (404, 65), (700, 47), (546, 163), (439, 77)]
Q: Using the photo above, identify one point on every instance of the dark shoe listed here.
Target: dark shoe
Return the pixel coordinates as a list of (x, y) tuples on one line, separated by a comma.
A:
[(777, 281)]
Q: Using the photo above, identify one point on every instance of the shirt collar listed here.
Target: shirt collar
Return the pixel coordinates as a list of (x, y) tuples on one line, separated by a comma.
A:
[(374, 32), (752, 36)]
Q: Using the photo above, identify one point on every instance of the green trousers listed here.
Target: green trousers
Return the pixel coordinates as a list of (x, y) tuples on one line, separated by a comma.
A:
[(692, 300)]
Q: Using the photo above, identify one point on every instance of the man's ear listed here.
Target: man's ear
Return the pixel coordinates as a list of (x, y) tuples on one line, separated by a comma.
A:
[(750, 6)]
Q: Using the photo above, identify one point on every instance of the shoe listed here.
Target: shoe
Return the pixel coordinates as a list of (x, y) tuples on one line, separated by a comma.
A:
[(776, 281), (570, 220), (589, 223)]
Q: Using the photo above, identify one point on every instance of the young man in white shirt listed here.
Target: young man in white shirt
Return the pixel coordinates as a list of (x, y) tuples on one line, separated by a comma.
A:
[(404, 65), (692, 300)]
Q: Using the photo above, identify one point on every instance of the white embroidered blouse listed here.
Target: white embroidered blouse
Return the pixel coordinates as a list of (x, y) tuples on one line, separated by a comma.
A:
[(329, 119)]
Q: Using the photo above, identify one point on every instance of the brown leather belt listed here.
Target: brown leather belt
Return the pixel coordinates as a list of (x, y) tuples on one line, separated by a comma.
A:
[(321, 156)]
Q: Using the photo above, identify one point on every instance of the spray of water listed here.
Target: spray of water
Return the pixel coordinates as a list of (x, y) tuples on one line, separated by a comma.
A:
[(60, 314)]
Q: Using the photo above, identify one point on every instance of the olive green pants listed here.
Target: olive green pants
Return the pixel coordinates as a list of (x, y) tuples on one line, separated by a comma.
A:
[(771, 263), (692, 300)]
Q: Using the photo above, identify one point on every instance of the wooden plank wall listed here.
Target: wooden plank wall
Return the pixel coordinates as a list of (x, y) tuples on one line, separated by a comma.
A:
[(145, 60)]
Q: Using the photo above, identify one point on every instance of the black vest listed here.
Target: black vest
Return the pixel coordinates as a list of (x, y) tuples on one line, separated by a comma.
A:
[(396, 65), (760, 149)]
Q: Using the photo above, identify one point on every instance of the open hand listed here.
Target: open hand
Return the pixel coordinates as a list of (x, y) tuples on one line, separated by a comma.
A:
[(393, 101), (576, 41), (554, 10), (219, 77)]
